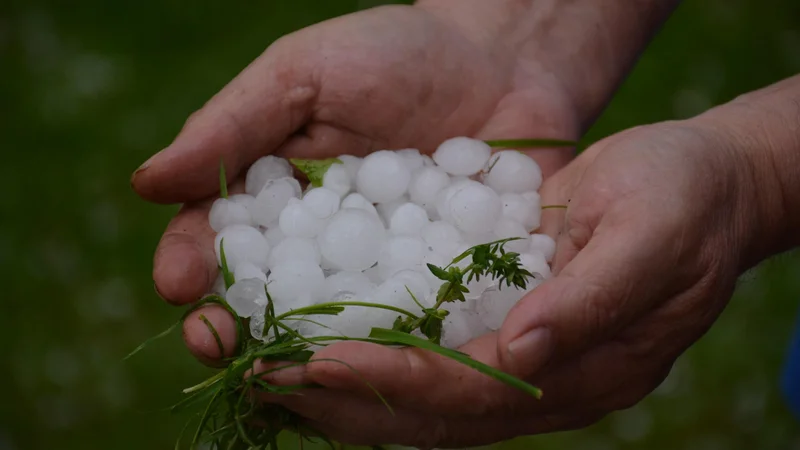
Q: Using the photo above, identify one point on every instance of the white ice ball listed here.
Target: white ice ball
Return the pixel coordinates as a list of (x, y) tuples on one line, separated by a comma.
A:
[(395, 291), (245, 296), (535, 263), (512, 171), (444, 197), (385, 210), (247, 270), (294, 282), (273, 198), (462, 155), (357, 201), (401, 253), (352, 239), (351, 165), (323, 202), (265, 169), (337, 180), (506, 228), (242, 244), (225, 212), (495, 304), (246, 200), (442, 237), (426, 185), (408, 220), (295, 248), (383, 177), (274, 235), (412, 158), (521, 209), (543, 244), (462, 325), (475, 208), (356, 283), (298, 220)]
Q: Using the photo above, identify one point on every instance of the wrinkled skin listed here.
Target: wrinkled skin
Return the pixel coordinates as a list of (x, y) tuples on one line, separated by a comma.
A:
[(647, 249)]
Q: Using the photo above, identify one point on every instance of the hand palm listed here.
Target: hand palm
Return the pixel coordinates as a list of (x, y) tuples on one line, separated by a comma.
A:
[(390, 77)]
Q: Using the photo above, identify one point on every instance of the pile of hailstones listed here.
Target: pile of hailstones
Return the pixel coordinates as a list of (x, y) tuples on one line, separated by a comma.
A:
[(370, 230)]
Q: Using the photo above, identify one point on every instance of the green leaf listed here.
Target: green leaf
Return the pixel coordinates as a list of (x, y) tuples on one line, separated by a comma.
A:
[(530, 143), (438, 272), (153, 339), (314, 169), (413, 341), (213, 331), (431, 327), (223, 181), (226, 272)]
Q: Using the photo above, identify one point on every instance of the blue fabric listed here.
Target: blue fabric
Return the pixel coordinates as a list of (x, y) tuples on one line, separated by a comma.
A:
[(791, 374)]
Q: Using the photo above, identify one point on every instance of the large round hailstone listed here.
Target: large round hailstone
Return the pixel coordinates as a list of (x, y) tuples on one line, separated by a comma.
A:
[(385, 210), (408, 220), (521, 209), (442, 237), (265, 169), (337, 180), (294, 249), (352, 239), (383, 177), (445, 195), (245, 296), (294, 281), (506, 228), (462, 155), (351, 165), (535, 263), (225, 212), (355, 283), (495, 304), (323, 202), (357, 201), (219, 286), (298, 220), (411, 157), (462, 324), (395, 291), (273, 199), (401, 253), (248, 270), (242, 244), (475, 208), (425, 185), (274, 235), (543, 244), (512, 171), (246, 200)]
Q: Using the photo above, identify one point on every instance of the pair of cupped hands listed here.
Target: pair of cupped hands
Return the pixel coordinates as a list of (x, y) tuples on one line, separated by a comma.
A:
[(648, 248)]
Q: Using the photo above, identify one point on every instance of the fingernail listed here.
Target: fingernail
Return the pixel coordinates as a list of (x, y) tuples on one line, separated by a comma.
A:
[(529, 352), (289, 376), (144, 166)]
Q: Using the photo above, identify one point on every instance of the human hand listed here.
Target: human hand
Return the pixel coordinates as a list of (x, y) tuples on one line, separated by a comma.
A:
[(660, 222), (390, 77)]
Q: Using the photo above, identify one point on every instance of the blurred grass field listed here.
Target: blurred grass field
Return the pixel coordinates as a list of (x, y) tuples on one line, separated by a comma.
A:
[(89, 90)]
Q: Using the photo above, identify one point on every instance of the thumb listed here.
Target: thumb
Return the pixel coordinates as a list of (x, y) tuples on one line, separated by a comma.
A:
[(608, 283), (249, 118)]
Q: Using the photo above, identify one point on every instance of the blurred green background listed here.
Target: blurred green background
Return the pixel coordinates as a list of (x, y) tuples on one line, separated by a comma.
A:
[(90, 89)]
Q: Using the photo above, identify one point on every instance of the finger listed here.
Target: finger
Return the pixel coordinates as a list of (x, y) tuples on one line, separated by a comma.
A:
[(357, 421), (185, 264), (612, 279), (200, 339), (321, 140), (417, 379), (249, 118)]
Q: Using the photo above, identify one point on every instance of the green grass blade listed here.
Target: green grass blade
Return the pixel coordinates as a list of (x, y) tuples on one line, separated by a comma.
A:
[(530, 143), (223, 181), (226, 272), (413, 341), (213, 331), (152, 339)]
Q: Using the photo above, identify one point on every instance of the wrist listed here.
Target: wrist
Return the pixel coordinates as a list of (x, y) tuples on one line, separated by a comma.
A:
[(761, 131), (582, 49)]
